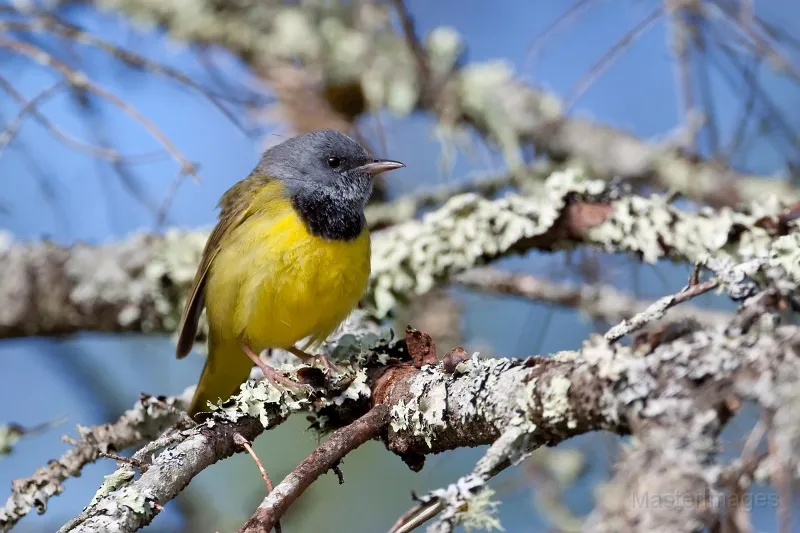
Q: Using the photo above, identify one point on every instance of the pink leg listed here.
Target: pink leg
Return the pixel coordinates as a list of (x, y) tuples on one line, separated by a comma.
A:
[(270, 373), (330, 365)]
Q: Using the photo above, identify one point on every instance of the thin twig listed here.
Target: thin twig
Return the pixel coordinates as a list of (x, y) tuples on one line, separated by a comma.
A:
[(79, 80), (340, 443), (749, 75), (681, 44), (597, 301), (608, 58), (772, 114), (46, 21), (28, 108), (737, 518), (244, 443), (416, 516), (755, 40), (656, 310), (567, 17), (136, 463), (71, 141), (412, 39), (706, 93)]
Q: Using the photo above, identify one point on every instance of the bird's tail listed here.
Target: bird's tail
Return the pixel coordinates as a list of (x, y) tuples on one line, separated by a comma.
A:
[(226, 368)]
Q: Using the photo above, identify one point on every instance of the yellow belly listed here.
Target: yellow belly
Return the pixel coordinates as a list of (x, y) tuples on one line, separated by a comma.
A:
[(273, 283)]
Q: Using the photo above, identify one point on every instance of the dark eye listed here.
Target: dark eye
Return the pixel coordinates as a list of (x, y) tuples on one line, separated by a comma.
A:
[(334, 162)]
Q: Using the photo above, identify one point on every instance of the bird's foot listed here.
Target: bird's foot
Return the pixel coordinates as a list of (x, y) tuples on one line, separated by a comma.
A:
[(270, 373), (325, 361)]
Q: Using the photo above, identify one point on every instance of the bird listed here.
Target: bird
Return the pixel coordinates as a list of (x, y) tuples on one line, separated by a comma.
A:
[(289, 259)]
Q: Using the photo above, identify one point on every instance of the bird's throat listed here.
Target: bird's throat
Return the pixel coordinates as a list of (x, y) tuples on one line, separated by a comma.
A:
[(330, 218)]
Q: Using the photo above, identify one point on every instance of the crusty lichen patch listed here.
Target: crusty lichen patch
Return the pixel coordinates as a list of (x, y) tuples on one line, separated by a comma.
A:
[(265, 401), (467, 230), (555, 402), (171, 270)]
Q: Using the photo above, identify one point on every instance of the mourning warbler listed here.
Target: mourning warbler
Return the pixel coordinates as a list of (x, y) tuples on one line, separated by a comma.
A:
[(289, 258)]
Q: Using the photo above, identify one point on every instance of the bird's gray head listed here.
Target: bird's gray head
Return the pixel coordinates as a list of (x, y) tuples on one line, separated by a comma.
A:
[(328, 177)]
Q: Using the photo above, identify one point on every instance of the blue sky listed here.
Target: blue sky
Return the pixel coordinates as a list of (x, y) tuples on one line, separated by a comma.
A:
[(91, 378)]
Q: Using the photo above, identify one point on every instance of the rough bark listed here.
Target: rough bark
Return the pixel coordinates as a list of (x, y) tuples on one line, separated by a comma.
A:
[(139, 284), (678, 393)]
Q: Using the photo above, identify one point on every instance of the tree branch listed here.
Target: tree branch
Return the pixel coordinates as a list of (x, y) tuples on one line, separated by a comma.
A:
[(325, 457), (143, 423), (485, 95), (685, 379), (598, 302), (139, 284)]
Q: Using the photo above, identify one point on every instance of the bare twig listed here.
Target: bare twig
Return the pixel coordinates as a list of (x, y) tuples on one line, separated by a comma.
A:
[(658, 308), (737, 518), (48, 22), (706, 93), (244, 443), (608, 58), (79, 80), (682, 48), (11, 433), (71, 141), (412, 39), (770, 113), (416, 516), (141, 465), (754, 38), (510, 448), (340, 443), (29, 107), (567, 17), (142, 423), (598, 302)]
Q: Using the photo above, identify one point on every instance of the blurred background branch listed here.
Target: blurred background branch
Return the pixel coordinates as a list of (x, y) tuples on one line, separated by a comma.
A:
[(662, 132)]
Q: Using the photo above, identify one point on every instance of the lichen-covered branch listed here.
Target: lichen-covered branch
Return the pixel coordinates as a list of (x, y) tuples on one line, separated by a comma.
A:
[(353, 61), (678, 388), (325, 457), (143, 423), (139, 284)]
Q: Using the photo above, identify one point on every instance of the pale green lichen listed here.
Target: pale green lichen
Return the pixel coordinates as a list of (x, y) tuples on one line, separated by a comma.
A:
[(413, 257), (294, 35), (432, 408), (398, 420), (137, 502), (654, 228), (555, 402), (421, 413), (785, 253), (263, 400), (357, 389), (174, 258), (113, 482), (9, 436), (444, 46), (480, 513)]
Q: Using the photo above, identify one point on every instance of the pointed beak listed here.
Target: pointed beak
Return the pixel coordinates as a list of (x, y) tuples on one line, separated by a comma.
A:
[(378, 166)]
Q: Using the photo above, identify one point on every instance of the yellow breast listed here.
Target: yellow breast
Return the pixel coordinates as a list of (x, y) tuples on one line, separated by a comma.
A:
[(273, 283)]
